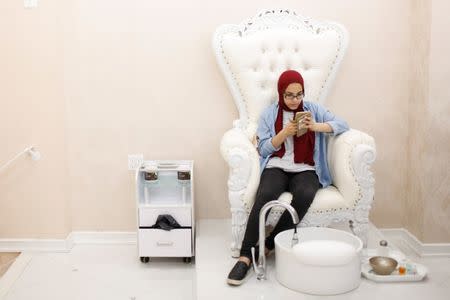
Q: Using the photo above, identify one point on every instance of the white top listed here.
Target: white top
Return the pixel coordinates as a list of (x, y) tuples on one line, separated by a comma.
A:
[(287, 161)]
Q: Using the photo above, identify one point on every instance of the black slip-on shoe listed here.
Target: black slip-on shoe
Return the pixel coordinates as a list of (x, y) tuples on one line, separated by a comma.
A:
[(238, 273)]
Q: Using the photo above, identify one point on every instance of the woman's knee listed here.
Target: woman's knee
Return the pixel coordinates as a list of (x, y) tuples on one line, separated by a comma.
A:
[(266, 194), (304, 194)]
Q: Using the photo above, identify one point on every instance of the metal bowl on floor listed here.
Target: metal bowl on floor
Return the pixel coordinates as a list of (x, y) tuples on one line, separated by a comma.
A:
[(383, 265)]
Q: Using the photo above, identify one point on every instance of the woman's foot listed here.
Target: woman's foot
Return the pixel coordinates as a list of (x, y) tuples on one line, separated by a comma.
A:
[(239, 271)]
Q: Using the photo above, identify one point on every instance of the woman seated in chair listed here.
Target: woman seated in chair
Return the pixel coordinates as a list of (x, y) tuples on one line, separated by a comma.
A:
[(289, 163)]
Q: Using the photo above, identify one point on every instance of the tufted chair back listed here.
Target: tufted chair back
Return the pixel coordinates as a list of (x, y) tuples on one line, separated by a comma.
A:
[(254, 54)]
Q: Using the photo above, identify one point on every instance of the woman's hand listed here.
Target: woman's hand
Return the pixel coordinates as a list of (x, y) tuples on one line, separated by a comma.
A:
[(290, 129), (309, 123), (313, 126)]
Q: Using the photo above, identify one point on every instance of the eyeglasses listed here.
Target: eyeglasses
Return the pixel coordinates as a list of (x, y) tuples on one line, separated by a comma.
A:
[(290, 96)]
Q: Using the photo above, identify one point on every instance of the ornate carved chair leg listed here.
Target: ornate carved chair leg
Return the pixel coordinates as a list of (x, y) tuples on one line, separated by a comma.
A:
[(238, 223)]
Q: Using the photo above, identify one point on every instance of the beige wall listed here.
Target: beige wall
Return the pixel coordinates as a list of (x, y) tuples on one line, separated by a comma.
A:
[(33, 195), (428, 201), (125, 80), (139, 77), (437, 159), (419, 87)]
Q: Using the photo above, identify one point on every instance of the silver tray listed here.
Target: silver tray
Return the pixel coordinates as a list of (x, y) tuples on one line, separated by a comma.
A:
[(367, 272)]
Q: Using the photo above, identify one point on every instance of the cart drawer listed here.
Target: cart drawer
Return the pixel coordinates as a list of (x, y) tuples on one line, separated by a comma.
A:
[(148, 215), (162, 243)]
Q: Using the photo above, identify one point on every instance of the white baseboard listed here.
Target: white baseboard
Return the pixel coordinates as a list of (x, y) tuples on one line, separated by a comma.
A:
[(65, 245), (398, 235), (407, 239)]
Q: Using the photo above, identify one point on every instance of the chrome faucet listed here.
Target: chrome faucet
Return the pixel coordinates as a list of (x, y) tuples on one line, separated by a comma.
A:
[(260, 269)]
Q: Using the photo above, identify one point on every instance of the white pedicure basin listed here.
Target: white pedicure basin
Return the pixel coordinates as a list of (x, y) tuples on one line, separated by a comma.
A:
[(325, 261)]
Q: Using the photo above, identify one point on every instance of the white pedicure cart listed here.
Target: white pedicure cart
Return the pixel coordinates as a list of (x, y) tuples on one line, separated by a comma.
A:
[(165, 188)]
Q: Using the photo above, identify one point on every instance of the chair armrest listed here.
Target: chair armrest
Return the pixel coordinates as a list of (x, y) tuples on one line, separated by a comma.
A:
[(350, 156), (243, 159)]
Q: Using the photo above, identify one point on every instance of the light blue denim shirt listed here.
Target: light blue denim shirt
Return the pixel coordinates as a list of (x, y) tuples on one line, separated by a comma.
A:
[(266, 131)]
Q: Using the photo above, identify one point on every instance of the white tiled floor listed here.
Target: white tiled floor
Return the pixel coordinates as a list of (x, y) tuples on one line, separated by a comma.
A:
[(115, 272)]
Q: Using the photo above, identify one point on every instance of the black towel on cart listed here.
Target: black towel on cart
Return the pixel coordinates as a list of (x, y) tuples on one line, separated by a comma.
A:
[(166, 222)]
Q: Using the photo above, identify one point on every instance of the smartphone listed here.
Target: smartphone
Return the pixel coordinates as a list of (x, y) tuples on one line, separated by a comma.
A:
[(301, 114), (298, 118)]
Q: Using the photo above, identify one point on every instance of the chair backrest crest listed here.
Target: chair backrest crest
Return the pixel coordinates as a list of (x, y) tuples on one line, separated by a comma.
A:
[(253, 54)]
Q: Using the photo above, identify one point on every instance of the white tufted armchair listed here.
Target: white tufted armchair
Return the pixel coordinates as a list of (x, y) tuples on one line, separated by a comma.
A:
[(251, 57)]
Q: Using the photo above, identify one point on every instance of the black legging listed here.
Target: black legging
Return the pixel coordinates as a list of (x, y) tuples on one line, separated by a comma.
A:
[(274, 182)]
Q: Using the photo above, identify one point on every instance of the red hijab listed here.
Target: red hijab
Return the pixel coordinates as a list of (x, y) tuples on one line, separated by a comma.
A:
[(303, 145)]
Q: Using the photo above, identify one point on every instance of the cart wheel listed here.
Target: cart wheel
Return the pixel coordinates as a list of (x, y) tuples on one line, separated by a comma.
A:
[(145, 259), (187, 259)]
